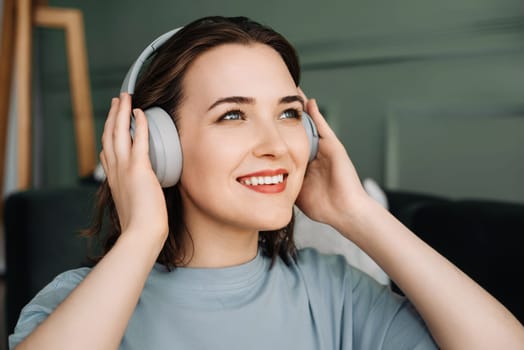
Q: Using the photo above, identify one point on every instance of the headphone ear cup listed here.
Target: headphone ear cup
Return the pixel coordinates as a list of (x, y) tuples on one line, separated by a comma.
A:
[(165, 151), (312, 135)]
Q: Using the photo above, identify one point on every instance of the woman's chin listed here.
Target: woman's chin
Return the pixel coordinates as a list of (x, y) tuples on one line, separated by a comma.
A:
[(276, 223)]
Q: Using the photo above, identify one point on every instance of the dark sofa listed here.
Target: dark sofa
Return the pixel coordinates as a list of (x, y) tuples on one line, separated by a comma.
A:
[(42, 239), (484, 238)]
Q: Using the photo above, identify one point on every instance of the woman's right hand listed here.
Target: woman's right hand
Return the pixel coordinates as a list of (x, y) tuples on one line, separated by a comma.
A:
[(331, 190), (136, 192)]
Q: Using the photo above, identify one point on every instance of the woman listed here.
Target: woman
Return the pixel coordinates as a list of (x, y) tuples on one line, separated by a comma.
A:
[(211, 263)]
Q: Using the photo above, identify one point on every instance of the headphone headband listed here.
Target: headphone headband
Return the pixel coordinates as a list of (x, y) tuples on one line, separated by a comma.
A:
[(132, 74)]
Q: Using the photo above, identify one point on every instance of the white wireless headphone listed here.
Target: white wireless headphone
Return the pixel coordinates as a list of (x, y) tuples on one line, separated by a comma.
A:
[(165, 151)]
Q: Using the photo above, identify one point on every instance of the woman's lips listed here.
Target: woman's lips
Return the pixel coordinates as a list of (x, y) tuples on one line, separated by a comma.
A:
[(265, 181)]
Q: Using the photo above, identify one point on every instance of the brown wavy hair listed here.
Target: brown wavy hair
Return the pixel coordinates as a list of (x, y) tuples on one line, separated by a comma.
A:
[(161, 84)]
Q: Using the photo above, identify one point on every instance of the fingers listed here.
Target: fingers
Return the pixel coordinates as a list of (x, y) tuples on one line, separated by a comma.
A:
[(140, 150), (107, 135), (121, 134), (103, 161), (323, 128), (116, 139)]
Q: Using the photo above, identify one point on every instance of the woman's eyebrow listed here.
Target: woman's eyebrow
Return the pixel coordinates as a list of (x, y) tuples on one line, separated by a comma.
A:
[(233, 99), (293, 98), (251, 100)]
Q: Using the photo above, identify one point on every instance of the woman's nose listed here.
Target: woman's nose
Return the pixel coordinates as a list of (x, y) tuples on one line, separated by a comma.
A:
[(270, 141)]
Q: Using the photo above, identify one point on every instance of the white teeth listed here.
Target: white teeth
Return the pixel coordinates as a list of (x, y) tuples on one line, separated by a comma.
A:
[(263, 180)]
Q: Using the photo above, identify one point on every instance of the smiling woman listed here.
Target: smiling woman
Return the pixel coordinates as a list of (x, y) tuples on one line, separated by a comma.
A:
[(210, 262), (253, 83)]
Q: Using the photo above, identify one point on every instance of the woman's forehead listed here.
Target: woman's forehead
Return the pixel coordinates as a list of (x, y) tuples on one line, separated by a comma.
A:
[(254, 70)]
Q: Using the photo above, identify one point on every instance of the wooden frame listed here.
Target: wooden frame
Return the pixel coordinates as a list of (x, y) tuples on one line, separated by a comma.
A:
[(71, 21), (6, 69), (23, 53)]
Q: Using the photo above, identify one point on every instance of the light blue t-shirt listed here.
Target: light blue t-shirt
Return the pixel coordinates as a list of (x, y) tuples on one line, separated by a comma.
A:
[(319, 302)]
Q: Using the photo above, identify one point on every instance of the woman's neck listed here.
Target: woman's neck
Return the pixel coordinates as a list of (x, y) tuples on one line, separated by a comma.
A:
[(215, 249)]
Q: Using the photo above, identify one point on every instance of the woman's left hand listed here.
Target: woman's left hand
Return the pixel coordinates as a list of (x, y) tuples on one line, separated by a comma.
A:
[(331, 188)]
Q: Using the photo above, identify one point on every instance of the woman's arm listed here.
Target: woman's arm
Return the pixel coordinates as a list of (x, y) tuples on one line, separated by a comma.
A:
[(95, 315), (459, 313)]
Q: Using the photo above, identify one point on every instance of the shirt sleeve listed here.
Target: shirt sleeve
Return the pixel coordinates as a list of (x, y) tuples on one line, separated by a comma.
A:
[(360, 312), (383, 319), (44, 303)]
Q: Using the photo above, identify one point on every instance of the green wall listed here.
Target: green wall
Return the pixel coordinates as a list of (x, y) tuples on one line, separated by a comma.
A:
[(363, 61)]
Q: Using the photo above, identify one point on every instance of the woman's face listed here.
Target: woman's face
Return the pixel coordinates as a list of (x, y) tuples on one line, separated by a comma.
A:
[(244, 147)]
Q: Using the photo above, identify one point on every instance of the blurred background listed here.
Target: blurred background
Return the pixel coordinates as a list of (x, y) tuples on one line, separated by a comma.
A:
[(427, 96)]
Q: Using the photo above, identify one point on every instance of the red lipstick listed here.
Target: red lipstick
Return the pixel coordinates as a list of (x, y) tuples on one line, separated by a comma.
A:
[(257, 181)]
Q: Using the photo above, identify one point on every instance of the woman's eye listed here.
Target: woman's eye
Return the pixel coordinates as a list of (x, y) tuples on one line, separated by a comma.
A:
[(233, 115), (290, 114)]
